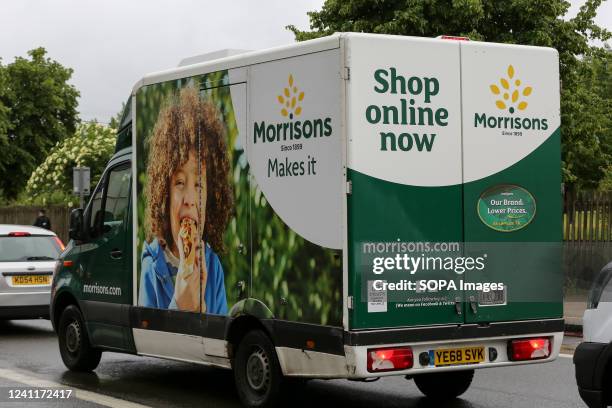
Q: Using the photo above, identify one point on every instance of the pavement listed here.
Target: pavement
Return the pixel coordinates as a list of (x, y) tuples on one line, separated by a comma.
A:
[(573, 311), (572, 314)]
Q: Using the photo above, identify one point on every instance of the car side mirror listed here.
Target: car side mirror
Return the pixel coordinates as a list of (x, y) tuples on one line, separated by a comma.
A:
[(76, 224)]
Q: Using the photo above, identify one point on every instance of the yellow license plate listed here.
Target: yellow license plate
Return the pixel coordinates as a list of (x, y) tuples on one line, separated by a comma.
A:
[(455, 356), (22, 280)]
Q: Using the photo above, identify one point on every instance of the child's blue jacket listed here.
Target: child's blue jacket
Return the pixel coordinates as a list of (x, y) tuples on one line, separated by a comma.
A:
[(157, 287)]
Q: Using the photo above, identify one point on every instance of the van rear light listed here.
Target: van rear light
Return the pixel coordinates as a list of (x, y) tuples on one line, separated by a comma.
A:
[(19, 234), (529, 349), (390, 359)]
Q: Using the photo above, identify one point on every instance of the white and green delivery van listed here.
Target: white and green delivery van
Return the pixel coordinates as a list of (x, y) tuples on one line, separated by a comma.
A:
[(355, 206)]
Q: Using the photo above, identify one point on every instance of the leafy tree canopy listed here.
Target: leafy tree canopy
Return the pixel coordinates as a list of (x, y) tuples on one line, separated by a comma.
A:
[(92, 145), (37, 109), (585, 69)]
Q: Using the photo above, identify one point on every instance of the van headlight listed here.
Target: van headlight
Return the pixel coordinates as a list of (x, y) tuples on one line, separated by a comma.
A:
[(599, 286)]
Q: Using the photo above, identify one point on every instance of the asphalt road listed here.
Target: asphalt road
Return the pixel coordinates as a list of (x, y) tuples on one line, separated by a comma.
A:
[(29, 356)]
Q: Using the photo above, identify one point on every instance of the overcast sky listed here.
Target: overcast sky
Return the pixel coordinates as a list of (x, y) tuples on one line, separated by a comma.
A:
[(110, 44)]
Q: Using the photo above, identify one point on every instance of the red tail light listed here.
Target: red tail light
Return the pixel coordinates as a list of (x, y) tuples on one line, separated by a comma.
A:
[(390, 359), (19, 234), (59, 243), (529, 349)]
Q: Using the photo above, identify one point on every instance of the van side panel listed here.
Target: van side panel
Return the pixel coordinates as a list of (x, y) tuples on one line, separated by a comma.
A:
[(294, 153), (263, 144)]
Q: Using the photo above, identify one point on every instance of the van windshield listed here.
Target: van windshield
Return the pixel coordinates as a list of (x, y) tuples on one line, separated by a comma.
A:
[(28, 248)]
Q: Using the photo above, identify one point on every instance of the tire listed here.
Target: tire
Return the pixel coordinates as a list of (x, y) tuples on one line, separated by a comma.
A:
[(445, 385), (257, 373), (75, 349)]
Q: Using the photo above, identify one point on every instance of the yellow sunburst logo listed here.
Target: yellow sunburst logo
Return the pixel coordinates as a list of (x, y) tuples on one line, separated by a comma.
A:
[(290, 99), (510, 93)]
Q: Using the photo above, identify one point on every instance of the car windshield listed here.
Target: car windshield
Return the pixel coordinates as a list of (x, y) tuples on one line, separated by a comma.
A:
[(28, 248)]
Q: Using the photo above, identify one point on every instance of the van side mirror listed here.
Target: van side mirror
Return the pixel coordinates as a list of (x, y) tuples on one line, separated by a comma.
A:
[(76, 224)]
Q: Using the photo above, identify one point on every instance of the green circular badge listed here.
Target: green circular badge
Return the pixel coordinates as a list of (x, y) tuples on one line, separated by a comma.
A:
[(506, 207)]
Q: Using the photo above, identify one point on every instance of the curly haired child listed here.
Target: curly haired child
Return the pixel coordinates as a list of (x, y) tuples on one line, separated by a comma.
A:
[(188, 208)]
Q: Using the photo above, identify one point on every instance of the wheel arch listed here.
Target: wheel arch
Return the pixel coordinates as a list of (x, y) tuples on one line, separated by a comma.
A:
[(240, 326), (62, 301)]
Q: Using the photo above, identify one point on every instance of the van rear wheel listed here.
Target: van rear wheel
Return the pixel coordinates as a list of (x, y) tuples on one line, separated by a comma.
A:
[(75, 349), (445, 385), (257, 373)]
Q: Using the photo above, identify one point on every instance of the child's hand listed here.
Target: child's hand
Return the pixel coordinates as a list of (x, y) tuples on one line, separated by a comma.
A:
[(187, 285)]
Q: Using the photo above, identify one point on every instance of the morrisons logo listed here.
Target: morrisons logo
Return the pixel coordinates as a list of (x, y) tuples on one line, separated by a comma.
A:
[(291, 99), (510, 96)]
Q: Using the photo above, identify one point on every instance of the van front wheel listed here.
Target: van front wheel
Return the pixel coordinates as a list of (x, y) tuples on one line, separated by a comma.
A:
[(257, 373), (75, 349), (445, 385)]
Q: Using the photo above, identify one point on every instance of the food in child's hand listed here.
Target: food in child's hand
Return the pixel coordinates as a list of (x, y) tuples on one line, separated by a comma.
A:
[(188, 238)]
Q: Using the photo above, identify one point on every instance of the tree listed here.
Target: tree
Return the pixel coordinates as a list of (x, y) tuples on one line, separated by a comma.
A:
[(5, 124), (41, 111), (92, 145), (115, 121), (587, 142)]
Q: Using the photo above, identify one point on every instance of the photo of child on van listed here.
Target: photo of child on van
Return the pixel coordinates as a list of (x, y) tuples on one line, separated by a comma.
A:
[(188, 205)]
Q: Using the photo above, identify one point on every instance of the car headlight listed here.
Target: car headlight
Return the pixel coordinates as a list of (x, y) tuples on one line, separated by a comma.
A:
[(601, 281)]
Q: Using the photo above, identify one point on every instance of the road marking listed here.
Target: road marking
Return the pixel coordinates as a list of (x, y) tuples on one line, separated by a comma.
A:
[(566, 355), (81, 394)]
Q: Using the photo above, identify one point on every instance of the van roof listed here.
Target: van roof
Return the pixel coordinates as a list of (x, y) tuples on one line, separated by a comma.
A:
[(286, 51), (241, 60)]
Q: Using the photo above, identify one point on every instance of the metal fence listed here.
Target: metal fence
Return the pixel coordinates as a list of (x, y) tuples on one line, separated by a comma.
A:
[(22, 215), (587, 217), (587, 236)]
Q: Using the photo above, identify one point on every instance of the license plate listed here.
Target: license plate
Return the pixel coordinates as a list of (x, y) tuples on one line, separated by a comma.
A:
[(492, 298), (456, 356), (23, 280)]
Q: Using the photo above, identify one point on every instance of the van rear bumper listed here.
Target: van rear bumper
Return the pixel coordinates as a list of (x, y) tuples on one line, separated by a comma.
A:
[(350, 359), (353, 364), (357, 355)]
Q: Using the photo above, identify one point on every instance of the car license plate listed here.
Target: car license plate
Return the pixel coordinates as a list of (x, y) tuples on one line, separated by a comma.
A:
[(455, 356), (23, 280)]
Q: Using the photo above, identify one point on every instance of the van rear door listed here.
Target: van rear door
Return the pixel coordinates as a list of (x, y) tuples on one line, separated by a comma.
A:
[(405, 208), (512, 180)]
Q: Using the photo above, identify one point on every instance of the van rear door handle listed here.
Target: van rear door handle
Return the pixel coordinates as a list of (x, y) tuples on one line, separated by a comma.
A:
[(458, 306), (116, 254)]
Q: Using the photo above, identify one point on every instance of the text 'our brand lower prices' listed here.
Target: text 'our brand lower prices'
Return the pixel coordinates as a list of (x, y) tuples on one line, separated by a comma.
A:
[(293, 134)]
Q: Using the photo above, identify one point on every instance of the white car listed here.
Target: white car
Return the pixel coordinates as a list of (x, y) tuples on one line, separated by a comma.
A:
[(593, 357), (27, 259)]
